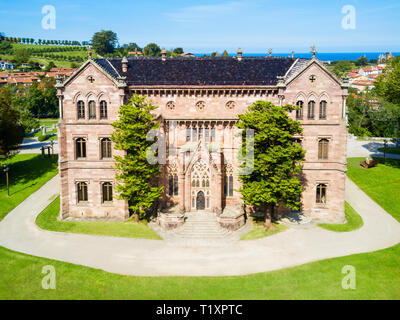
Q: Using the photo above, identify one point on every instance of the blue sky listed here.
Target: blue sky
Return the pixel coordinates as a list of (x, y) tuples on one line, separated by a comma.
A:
[(205, 26)]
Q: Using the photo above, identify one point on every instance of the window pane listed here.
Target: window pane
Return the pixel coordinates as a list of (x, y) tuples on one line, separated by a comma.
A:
[(80, 146), (194, 134), (171, 186), (207, 134), (212, 134), (103, 110), (311, 106), (81, 110), (188, 134), (176, 185), (225, 185), (230, 186), (299, 113), (322, 110), (92, 110)]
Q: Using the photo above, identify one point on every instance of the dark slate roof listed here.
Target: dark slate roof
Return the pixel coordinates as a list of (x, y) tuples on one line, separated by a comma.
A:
[(216, 71)]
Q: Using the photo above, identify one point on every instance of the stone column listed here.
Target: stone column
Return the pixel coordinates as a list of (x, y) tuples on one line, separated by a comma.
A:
[(181, 186), (218, 185)]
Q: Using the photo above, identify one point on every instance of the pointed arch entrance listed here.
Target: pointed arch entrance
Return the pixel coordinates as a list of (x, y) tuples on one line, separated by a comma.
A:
[(200, 186)]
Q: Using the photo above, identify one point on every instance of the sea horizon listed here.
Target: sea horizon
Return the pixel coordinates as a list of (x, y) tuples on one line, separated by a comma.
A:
[(324, 56)]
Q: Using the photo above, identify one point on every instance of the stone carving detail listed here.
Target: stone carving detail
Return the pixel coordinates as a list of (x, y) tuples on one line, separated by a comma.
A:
[(230, 105), (170, 105), (227, 169), (200, 105), (173, 169)]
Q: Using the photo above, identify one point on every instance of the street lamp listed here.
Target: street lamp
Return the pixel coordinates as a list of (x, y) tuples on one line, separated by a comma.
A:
[(384, 150), (5, 169), (52, 148)]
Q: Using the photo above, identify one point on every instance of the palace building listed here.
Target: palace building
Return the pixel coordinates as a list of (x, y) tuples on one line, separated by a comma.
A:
[(198, 101)]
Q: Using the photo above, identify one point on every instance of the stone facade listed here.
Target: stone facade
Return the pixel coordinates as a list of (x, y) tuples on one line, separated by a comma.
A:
[(200, 172)]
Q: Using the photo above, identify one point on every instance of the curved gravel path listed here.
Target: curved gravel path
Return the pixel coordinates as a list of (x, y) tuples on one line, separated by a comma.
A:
[(141, 257)]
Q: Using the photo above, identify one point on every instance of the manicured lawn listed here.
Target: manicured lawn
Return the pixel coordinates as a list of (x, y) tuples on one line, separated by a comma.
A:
[(27, 173), (48, 220), (377, 273), (381, 183), (354, 221), (377, 276), (48, 122), (390, 150), (259, 231)]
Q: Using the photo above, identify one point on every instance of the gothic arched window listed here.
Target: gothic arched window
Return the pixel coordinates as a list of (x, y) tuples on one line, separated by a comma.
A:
[(322, 110), (103, 110), (299, 112), (92, 110), (81, 109), (311, 109)]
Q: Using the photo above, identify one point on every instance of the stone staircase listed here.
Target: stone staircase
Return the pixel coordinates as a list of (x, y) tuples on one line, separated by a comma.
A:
[(201, 228)]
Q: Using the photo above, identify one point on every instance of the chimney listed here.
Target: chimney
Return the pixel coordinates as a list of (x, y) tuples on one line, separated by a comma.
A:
[(239, 54), (163, 54), (124, 65), (270, 52)]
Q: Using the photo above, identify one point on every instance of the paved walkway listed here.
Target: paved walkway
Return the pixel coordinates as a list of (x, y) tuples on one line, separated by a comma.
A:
[(356, 148), (33, 145), (141, 257)]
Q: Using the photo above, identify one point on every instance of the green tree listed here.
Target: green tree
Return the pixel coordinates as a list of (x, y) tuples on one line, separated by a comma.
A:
[(361, 62), (178, 50), (275, 179), (5, 47), (387, 85), (21, 56), (136, 176), (104, 42), (225, 53), (11, 131), (49, 66), (342, 67), (152, 50)]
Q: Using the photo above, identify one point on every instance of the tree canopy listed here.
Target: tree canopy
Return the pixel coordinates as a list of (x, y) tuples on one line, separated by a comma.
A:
[(152, 50), (11, 131), (277, 161), (104, 42), (135, 175)]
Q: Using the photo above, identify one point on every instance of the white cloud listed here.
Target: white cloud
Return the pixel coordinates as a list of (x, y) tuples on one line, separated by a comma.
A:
[(194, 14)]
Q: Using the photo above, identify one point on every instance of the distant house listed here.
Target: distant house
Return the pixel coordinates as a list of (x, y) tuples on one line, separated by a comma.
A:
[(25, 65), (135, 53), (187, 54), (6, 65)]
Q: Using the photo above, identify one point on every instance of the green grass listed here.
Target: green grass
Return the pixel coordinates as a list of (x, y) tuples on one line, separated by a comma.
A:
[(48, 220), (381, 183), (377, 274), (354, 221), (259, 230), (392, 150), (47, 122), (27, 173)]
